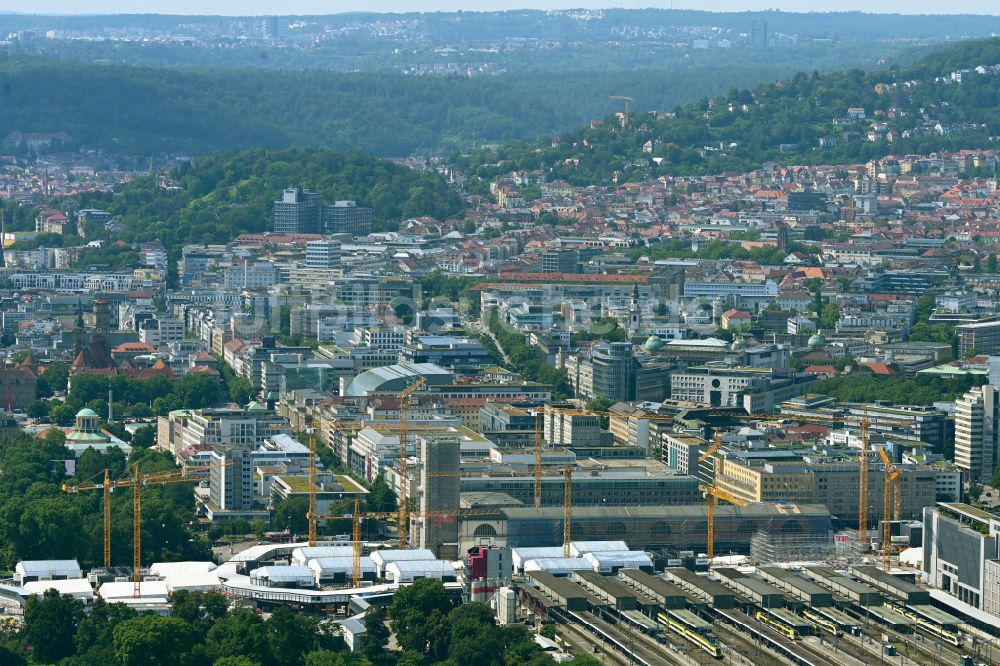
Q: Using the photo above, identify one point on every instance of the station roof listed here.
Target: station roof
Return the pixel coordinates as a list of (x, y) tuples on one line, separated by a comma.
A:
[(689, 618), (890, 616), (936, 614)]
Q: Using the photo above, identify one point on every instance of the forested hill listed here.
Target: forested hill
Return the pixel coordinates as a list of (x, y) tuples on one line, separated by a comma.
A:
[(141, 110), (219, 197), (801, 120)]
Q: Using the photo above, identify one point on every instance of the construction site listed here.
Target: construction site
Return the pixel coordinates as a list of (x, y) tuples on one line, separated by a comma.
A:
[(727, 579)]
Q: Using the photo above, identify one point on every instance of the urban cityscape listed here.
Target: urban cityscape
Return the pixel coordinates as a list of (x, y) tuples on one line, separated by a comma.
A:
[(713, 384)]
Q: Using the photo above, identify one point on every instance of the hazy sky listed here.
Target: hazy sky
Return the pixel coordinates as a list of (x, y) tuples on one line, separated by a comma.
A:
[(243, 7)]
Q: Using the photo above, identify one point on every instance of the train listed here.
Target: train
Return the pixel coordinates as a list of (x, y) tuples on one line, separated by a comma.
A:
[(823, 623), (777, 625), (934, 629), (687, 632)]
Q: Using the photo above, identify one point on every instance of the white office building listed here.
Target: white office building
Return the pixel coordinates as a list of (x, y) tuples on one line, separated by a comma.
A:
[(323, 254)]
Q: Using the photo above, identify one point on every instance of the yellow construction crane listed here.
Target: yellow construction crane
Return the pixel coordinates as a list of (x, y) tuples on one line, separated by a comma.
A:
[(136, 482), (106, 485), (404, 484), (339, 426), (864, 424), (627, 100), (311, 513), (357, 545), (540, 440), (892, 499), (713, 494), (863, 475)]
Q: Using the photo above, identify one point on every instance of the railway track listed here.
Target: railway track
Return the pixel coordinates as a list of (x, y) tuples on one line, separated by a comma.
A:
[(643, 647), (740, 649), (585, 641), (788, 651), (916, 647)]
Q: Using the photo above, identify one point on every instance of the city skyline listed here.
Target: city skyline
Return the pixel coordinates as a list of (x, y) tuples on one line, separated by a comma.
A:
[(319, 7)]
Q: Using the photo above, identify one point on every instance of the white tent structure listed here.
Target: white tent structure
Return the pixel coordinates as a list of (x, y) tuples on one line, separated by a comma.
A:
[(78, 588), (191, 576), (407, 572), (383, 558), (558, 566), (518, 556), (581, 548), (296, 575)]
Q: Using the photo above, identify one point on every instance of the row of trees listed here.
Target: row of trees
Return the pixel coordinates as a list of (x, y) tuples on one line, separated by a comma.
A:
[(201, 630), (138, 398), (917, 390), (718, 249), (525, 358)]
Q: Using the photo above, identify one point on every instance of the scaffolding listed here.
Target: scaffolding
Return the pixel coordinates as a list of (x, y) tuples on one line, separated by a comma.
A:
[(768, 548)]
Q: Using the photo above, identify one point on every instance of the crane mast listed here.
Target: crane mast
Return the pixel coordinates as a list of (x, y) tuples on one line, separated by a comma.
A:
[(137, 532), (626, 99), (863, 489), (107, 517), (312, 490), (356, 551), (404, 481), (892, 498), (136, 481)]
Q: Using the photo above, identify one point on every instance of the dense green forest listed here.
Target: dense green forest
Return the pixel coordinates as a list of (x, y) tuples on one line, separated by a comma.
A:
[(146, 110), (783, 122), (219, 197)]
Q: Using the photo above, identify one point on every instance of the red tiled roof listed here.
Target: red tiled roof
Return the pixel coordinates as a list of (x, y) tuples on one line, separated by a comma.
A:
[(879, 368), (133, 347)]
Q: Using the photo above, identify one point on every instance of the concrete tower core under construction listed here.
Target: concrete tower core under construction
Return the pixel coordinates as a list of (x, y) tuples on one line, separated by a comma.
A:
[(435, 525)]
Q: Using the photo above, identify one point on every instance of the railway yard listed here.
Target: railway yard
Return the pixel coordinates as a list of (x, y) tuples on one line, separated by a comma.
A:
[(808, 615)]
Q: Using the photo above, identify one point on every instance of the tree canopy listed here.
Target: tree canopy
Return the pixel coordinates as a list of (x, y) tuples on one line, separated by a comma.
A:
[(222, 196), (781, 122)]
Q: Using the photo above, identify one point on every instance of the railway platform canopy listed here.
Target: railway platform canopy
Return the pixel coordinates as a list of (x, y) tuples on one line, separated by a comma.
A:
[(797, 586), (890, 617), (665, 594), (936, 615), (720, 596), (691, 620), (891, 585), (791, 619), (845, 586), (840, 617)]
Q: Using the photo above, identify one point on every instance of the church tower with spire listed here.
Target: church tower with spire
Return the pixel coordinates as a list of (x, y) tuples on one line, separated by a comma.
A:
[(634, 315)]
